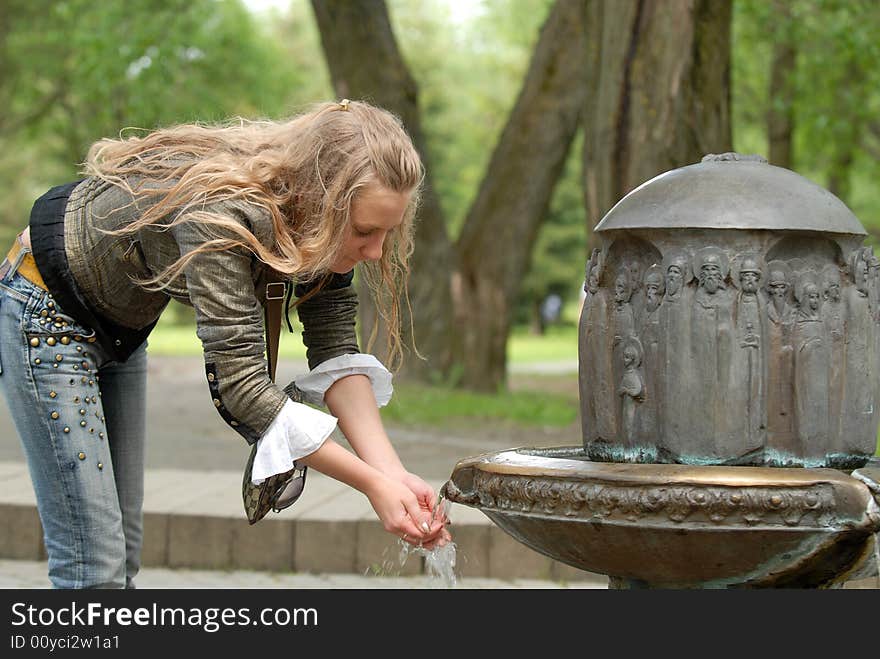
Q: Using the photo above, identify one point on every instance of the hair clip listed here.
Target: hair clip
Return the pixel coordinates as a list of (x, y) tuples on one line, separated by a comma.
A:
[(343, 104)]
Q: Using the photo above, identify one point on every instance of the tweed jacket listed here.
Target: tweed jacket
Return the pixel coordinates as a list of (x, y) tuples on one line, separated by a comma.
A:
[(226, 288)]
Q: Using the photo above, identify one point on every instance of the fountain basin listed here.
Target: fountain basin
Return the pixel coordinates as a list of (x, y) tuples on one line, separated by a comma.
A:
[(680, 526)]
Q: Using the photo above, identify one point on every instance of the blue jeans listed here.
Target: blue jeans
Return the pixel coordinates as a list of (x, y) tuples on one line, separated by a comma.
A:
[(81, 421)]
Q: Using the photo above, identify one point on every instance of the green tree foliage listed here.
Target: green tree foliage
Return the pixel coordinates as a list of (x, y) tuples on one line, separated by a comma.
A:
[(295, 34), (836, 86), (75, 71)]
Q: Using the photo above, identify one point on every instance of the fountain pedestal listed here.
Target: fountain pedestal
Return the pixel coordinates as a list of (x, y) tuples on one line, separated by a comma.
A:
[(729, 351)]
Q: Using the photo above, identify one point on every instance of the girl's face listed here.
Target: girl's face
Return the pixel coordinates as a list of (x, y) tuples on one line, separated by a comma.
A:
[(375, 211)]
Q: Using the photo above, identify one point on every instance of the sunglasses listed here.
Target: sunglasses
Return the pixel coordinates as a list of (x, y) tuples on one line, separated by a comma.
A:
[(289, 491)]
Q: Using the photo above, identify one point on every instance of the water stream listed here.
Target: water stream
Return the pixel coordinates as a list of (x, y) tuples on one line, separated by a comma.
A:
[(439, 561)]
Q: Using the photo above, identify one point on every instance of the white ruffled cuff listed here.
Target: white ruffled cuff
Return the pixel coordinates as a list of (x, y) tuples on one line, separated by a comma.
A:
[(321, 378), (296, 432)]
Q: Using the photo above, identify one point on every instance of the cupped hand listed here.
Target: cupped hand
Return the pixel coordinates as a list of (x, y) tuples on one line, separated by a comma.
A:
[(424, 492), (399, 510), (407, 510), (427, 499), (438, 539)]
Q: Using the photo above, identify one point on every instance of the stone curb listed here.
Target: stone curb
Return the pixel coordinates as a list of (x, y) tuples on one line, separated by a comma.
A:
[(347, 546)]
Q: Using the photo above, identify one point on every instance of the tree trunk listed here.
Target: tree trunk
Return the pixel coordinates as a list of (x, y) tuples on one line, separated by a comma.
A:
[(663, 94), (839, 174), (539, 327), (593, 66), (365, 63), (780, 114), (500, 228)]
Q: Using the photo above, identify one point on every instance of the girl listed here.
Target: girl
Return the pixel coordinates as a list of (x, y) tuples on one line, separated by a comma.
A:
[(205, 214)]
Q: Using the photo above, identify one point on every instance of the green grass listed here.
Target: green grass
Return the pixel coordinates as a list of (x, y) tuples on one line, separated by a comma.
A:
[(422, 405), (170, 340), (427, 406), (558, 343)]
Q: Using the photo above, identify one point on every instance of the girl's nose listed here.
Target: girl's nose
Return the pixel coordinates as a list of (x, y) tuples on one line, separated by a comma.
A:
[(372, 251)]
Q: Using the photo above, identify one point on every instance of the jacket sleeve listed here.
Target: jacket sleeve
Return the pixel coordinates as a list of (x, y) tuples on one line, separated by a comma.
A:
[(328, 318), (229, 322)]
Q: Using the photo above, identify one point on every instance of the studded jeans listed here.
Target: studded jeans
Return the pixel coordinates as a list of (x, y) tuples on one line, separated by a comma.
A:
[(81, 421)]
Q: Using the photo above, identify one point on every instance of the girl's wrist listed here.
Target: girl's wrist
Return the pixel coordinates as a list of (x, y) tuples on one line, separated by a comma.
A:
[(377, 482), (391, 469), (386, 462)]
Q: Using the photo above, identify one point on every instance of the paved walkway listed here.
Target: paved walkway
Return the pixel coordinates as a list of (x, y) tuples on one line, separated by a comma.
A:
[(32, 574)]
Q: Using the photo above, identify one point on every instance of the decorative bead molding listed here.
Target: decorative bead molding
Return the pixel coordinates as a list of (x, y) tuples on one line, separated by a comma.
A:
[(566, 499)]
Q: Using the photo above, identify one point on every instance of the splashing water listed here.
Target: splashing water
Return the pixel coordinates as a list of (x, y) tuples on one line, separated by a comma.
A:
[(441, 508), (439, 561)]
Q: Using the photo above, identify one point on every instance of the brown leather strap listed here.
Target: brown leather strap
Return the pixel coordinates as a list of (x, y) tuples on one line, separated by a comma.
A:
[(27, 267), (275, 290)]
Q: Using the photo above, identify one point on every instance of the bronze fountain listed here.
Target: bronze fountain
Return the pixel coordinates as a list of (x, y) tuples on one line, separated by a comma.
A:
[(729, 372)]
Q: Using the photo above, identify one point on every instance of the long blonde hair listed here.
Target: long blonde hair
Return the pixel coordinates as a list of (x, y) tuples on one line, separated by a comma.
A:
[(305, 172)]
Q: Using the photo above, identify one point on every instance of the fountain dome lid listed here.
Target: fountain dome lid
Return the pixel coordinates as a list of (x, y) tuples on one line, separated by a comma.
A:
[(732, 191)]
